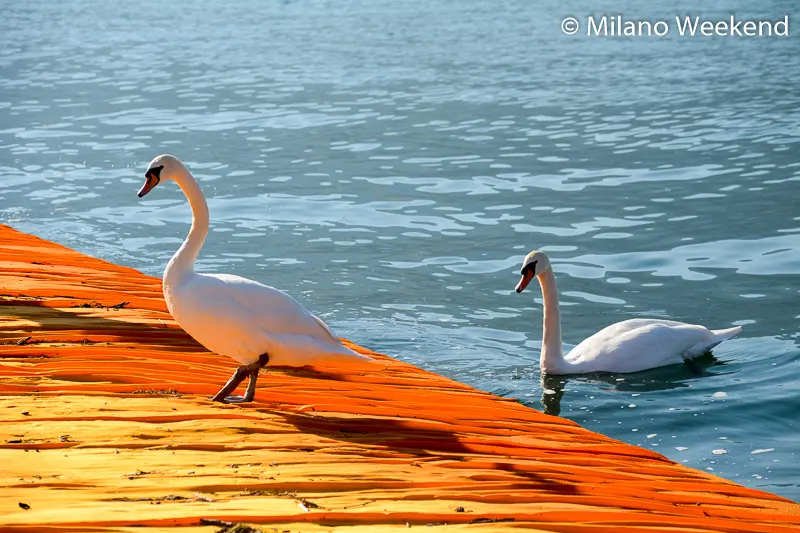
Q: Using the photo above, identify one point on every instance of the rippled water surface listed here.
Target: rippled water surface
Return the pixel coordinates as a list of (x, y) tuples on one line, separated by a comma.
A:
[(390, 163)]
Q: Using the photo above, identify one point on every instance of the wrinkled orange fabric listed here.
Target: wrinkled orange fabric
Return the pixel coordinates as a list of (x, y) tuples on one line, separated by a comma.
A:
[(107, 426)]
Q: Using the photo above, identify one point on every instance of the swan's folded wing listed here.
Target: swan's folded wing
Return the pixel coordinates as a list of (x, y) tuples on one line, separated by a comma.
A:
[(272, 309), (326, 328), (242, 319), (638, 344)]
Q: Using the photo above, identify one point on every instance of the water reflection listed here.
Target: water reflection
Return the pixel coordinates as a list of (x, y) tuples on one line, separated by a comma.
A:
[(655, 379)]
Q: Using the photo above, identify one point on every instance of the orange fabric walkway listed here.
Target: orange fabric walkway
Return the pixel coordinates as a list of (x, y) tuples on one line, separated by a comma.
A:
[(107, 426)]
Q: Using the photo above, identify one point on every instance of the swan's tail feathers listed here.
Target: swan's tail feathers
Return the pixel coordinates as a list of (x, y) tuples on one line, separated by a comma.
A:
[(340, 354), (719, 335), (726, 334), (352, 355)]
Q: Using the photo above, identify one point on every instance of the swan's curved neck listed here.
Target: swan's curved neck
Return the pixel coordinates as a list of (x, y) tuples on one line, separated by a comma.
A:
[(182, 263), (552, 359)]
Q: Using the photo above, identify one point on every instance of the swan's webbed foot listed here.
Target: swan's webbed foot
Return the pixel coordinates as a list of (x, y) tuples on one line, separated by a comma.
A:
[(231, 398), (238, 376)]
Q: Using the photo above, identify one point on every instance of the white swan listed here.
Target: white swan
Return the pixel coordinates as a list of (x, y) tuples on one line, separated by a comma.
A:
[(234, 316), (625, 347)]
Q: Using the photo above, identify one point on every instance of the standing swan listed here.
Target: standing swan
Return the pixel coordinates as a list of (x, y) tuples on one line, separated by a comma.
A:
[(234, 316), (627, 346)]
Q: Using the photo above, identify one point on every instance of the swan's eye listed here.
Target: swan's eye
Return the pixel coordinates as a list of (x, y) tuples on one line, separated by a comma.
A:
[(530, 267), (155, 172)]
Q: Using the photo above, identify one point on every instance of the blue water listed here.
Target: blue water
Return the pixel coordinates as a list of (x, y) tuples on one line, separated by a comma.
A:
[(390, 163)]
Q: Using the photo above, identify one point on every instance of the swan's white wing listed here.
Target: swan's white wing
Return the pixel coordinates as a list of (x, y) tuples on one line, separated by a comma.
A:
[(275, 309), (639, 344), (242, 319)]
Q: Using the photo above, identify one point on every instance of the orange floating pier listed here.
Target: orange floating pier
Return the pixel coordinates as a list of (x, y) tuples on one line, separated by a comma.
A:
[(106, 425)]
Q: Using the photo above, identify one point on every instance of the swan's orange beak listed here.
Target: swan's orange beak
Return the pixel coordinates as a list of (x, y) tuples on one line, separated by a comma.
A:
[(526, 278), (151, 180)]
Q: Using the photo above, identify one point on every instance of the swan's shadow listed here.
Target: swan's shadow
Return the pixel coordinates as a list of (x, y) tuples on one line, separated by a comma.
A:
[(376, 435), (84, 319), (655, 379), (379, 437)]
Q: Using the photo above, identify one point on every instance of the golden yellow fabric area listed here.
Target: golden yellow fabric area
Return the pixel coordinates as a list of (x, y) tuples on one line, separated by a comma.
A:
[(106, 425)]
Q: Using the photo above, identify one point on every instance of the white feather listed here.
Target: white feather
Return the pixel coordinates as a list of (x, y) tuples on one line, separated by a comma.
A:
[(639, 344), (243, 319), (629, 346), (232, 315)]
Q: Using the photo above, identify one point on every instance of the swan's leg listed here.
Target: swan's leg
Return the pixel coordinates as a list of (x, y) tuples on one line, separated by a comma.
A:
[(242, 372), (250, 393), (237, 377)]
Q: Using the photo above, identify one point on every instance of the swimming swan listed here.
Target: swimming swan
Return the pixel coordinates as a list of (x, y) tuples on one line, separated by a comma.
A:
[(234, 316), (628, 346)]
